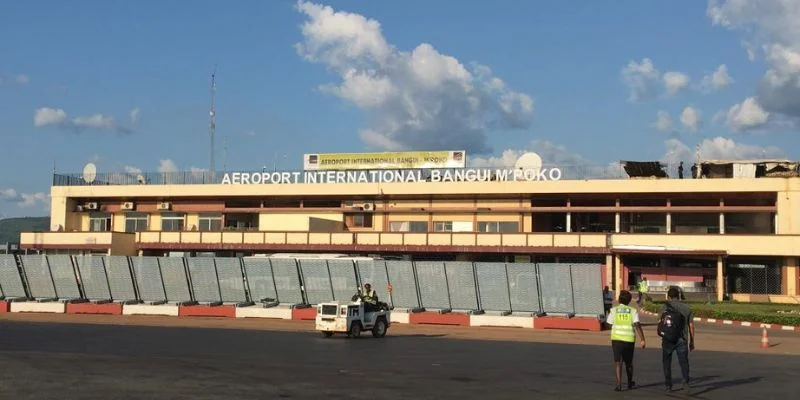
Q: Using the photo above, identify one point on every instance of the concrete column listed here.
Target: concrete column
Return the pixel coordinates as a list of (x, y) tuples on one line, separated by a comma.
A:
[(569, 222), (669, 223), (617, 222), (609, 270), (720, 279), (792, 271), (617, 274), (722, 223)]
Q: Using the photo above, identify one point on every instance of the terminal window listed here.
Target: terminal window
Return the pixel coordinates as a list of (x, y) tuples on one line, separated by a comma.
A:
[(172, 221), (210, 222), (408, 226), (135, 222), (99, 222), (498, 227)]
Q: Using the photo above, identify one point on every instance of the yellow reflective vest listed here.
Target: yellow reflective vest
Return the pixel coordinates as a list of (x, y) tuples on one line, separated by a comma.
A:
[(622, 328)]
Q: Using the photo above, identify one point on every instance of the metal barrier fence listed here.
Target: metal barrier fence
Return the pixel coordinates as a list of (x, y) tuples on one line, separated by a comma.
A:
[(442, 286)]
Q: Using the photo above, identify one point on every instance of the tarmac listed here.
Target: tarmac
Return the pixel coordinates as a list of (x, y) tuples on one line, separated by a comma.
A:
[(137, 357)]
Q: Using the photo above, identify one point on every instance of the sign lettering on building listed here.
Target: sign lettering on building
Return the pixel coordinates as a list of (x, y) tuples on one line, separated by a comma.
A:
[(385, 160), (393, 176)]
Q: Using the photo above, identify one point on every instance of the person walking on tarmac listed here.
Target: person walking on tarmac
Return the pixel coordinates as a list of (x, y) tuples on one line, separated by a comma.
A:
[(624, 321), (644, 286), (676, 329)]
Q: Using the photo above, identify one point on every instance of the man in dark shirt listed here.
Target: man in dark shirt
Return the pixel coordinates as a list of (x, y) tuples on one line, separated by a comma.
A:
[(684, 344)]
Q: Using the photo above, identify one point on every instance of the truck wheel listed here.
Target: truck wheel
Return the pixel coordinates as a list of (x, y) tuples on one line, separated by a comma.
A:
[(355, 330), (327, 334), (379, 330)]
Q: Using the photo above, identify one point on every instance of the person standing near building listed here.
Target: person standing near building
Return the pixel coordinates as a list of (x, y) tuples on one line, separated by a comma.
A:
[(676, 329), (643, 288), (608, 300), (624, 321)]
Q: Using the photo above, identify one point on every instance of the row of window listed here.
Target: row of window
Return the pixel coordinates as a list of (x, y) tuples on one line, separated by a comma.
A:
[(751, 223)]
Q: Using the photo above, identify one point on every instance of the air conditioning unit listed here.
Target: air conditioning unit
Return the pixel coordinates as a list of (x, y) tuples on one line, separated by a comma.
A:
[(164, 205), (365, 206), (79, 208), (92, 206), (128, 205)]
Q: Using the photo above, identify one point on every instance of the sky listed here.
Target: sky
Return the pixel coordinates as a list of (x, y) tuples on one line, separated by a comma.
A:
[(126, 85)]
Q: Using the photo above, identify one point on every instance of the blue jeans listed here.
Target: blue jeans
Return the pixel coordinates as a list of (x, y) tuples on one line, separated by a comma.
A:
[(681, 349)]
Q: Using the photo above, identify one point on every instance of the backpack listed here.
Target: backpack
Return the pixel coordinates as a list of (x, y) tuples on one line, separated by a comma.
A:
[(670, 327)]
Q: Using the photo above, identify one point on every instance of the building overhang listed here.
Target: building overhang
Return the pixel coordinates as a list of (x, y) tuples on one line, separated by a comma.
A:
[(667, 251)]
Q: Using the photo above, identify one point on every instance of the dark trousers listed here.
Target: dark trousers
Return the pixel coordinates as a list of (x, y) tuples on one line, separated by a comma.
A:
[(681, 349)]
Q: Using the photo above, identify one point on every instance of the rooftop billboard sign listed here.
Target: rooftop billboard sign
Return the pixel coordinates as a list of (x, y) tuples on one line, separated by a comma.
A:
[(385, 160)]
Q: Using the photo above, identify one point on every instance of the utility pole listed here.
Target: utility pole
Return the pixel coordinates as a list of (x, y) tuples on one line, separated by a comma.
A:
[(212, 125)]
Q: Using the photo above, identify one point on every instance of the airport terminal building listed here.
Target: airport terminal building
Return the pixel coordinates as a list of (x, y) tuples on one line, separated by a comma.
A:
[(731, 230)]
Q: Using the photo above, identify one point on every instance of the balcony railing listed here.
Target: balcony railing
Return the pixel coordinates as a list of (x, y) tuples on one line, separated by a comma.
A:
[(374, 239)]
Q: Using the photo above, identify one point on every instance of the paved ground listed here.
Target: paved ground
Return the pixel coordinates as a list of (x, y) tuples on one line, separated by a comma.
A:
[(91, 357)]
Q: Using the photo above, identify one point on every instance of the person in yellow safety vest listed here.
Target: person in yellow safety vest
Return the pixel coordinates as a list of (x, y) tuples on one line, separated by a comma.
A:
[(624, 321), (370, 298), (643, 288)]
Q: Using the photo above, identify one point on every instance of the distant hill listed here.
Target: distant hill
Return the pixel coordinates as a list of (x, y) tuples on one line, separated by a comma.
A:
[(11, 227)]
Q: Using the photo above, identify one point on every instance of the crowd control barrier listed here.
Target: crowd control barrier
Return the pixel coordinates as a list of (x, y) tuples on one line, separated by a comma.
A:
[(456, 292)]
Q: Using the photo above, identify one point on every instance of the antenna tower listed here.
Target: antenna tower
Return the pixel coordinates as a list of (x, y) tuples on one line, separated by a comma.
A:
[(224, 153), (212, 125)]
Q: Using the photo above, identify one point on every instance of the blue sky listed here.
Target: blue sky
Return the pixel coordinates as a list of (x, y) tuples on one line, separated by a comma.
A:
[(73, 75)]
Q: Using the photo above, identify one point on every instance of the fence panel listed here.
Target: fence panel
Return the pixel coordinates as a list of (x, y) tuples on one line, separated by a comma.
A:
[(404, 286), (176, 283), (120, 279), (316, 281), (343, 279), (461, 285), (94, 279), (231, 280), (40, 280), (556, 289), (10, 279), (523, 288), (63, 272), (493, 287), (587, 289), (374, 273), (203, 277), (432, 283), (260, 284), (287, 280), (149, 280)]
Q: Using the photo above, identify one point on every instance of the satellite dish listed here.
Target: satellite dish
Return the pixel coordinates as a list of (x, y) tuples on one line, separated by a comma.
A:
[(529, 161), (140, 179), (89, 172)]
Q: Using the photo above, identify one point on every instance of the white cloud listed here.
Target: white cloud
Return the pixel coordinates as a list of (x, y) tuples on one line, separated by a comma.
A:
[(675, 82), (418, 99), (719, 148), (691, 118), (717, 80), (57, 117), (774, 27), (167, 166), (641, 79), (663, 121), (644, 80), (747, 115), (19, 79), (132, 170), (24, 199), (572, 165), (134, 115)]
